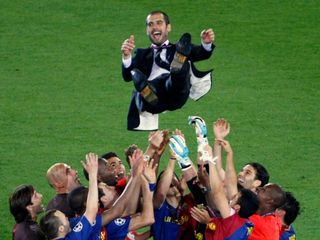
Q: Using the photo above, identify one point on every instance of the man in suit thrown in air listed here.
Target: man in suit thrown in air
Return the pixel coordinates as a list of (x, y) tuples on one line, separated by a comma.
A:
[(163, 74)]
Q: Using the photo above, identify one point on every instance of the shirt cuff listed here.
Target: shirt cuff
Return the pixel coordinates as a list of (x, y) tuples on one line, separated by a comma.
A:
[(127, 62), (207, 46)]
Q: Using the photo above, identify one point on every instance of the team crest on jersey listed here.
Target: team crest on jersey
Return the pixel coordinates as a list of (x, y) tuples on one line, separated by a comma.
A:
[(199, 236), (250, 229), (293, 237), (120, 221), (78, 227), (211, 226)]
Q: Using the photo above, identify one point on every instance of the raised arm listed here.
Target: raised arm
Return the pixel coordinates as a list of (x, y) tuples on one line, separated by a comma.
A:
[(158, 141), (221, 129), (217, 193), (230, 180), (203, 51), (127, 47), (204, 180), (127, 61), (91, 166), (119, 206), (148, 182), (207, 36), (189, 172), (163, 184), (132, 205)]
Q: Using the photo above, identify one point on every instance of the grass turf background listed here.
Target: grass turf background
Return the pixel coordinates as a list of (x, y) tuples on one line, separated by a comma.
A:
[(62, 94)]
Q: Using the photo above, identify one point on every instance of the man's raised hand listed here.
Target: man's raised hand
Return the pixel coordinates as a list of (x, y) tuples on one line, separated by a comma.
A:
[(207, 36), (127, 47)]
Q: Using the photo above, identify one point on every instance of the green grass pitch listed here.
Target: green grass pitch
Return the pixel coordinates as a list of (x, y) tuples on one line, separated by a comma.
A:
[(62, 94)]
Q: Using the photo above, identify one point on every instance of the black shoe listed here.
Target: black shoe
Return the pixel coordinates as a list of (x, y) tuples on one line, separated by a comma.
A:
[(183, 46), (139, 79), (183, 50), (147, 91)]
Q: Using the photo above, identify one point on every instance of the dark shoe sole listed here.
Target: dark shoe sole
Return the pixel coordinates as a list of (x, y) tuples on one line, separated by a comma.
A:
[(183, 46)]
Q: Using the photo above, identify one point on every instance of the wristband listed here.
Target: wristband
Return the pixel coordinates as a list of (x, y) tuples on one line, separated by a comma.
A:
[(152, 187)]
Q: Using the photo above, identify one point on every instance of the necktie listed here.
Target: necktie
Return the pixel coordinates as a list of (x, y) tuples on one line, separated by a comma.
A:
[(159, 61)]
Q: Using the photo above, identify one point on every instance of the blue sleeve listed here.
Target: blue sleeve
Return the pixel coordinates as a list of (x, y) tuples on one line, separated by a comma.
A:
[(118, 228), (81, 230)]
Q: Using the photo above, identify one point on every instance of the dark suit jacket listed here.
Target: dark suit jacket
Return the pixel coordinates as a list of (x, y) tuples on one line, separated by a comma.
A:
[(143, 59)]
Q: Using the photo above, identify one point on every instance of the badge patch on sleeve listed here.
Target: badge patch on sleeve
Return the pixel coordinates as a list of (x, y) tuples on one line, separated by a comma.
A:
[(78, 227), (120, 221)]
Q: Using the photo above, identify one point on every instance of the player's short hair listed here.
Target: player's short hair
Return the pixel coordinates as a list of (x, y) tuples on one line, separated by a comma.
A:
[(77, 199), (261, 173), (50, 224), (291, 207), (19, 200), (165, 16), (249, 203), (108, 155)]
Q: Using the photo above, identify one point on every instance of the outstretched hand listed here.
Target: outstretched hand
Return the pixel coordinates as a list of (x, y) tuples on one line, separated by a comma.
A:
[(207, 36), (155, 139), (225, 145), (137, 161), (221, 128), (91, 164), (149, 171), (201, 215), (127, 47)]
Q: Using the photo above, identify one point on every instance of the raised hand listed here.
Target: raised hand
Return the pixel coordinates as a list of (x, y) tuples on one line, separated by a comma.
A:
[(164, 142), (200, 214), (225, 145), (221, 128), (204, 154), (149, 171), (156, 139), (91, 164), (207, 36), (137, 161), (127, 47), (179, 151)]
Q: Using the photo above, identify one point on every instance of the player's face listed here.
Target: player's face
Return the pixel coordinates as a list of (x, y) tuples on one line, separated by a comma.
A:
[(36, 199), (157, 29), (246, 178), (114, 164), (73, 180), (106, 174)]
